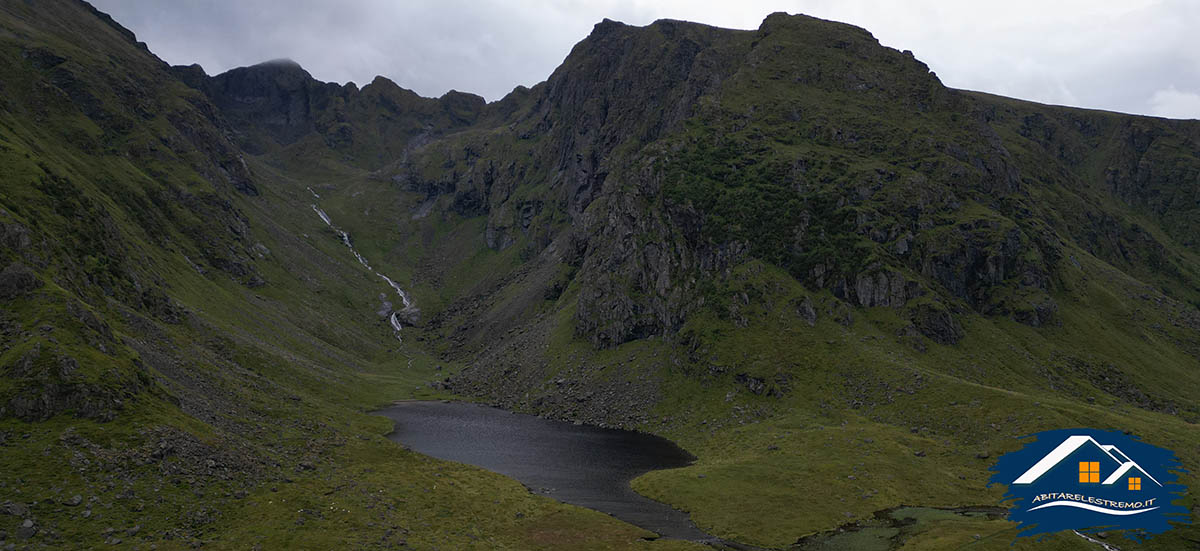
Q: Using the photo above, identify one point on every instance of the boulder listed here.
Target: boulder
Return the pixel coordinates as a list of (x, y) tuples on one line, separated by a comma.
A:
[(17, 279)]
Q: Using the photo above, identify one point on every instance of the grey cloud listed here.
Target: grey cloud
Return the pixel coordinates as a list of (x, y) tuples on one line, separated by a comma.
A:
[(1137, 56)]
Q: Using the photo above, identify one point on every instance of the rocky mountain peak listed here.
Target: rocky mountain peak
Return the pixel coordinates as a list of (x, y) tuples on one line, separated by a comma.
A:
[(606, 26)]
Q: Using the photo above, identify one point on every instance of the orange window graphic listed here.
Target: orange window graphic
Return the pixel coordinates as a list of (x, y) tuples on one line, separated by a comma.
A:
[(1135, 483), (1089, 472)]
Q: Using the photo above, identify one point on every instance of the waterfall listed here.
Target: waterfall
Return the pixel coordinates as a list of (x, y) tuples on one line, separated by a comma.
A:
[(393, 318)]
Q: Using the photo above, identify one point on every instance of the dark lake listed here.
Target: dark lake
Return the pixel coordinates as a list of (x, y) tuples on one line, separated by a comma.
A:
[(578, 464)]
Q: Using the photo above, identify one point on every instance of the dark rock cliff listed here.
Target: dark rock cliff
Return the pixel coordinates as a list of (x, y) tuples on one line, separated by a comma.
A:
[(672, 152), (655, 158), (278, 103)]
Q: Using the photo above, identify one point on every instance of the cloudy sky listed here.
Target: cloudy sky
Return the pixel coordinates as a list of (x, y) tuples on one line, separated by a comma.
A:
[(1134, 56)]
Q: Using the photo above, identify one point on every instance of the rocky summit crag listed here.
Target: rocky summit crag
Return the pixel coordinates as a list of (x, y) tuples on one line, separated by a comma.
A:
[(840, 284)]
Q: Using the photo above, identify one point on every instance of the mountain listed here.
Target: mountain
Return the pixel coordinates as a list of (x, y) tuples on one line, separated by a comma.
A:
[(187, 349), (278, 103), (792, 250)]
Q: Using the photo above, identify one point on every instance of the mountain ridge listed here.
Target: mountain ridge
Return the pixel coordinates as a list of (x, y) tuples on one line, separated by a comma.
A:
[(747, 241)]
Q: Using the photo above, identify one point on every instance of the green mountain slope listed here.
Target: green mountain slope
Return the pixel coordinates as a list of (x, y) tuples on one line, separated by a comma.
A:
[(827, 235), (187, 348), (842, 285)]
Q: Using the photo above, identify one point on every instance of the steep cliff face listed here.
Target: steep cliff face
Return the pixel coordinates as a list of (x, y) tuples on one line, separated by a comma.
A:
[(278, 105), (885, 196), (277, 96), (672, 152), (1123, 187), (545, 155)]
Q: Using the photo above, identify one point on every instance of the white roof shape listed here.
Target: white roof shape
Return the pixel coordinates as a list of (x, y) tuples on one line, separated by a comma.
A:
[(1125, 467), (1116, 452), (1060, 453)]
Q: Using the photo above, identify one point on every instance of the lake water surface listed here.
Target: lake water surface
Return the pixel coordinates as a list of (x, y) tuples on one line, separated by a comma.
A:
[(578, 464)]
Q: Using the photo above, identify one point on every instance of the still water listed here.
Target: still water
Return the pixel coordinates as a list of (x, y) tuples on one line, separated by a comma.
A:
[(578, 464)]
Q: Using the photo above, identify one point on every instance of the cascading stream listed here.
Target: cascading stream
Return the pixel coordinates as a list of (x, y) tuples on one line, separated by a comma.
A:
[(393, 317)]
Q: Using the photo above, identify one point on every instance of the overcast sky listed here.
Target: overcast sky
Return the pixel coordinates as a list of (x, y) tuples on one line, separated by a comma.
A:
[(1134, 56)]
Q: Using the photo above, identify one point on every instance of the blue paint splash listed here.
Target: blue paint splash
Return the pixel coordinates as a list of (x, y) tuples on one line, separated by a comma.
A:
[(1062, 489)]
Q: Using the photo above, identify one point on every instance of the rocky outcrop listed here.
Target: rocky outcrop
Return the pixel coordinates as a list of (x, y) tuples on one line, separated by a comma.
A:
[(936, 322), (48, 383), (638, 268), (878, 286), (278, 96), (972, 260), (16, 279)]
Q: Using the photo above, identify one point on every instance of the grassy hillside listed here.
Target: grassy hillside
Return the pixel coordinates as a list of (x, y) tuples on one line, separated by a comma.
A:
[(843, 286), (187, 349)]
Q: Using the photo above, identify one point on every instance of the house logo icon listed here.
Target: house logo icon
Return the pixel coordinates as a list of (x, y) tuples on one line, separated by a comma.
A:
[(1090, 480), (1112, 460)]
